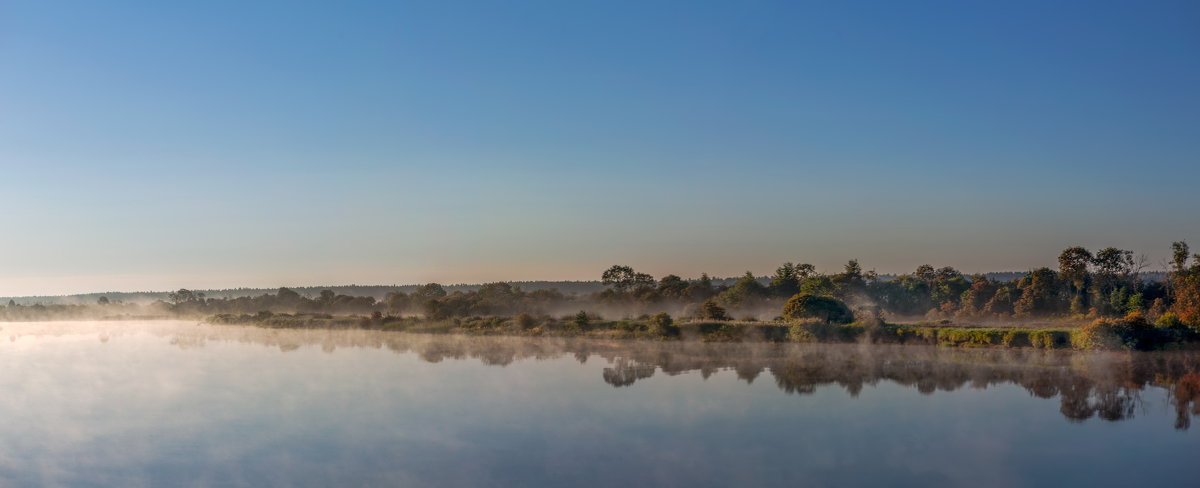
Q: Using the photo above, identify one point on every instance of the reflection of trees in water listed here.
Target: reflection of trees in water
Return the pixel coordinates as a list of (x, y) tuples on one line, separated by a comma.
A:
[(1185, 396), (625, 372), (1101, 385)]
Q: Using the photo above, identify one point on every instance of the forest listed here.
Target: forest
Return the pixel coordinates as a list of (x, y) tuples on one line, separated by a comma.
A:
[(1108, 289), (1086, 285)]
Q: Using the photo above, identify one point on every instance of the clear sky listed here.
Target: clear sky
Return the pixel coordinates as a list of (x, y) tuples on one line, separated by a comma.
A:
[(158, 145)]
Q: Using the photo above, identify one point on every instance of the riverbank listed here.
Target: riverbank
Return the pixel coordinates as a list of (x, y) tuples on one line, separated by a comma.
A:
[(1130, 333)]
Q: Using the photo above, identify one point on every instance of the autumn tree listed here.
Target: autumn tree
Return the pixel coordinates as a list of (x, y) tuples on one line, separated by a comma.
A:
[(1038, 293), (1187, 292), (977, 296), (1002, 302)]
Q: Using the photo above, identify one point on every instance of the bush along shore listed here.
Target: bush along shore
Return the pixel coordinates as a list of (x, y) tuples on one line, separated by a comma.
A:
[(1132, 332)]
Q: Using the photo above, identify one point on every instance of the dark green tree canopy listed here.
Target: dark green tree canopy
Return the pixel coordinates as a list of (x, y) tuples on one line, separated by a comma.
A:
[(624, 278), (747, 288), (849, 282), (785, 282), (1179, 256), (672, 286), (1114, 262), (826, 309), (431, 291), (1073, 264), (925, 273), (711, 311)]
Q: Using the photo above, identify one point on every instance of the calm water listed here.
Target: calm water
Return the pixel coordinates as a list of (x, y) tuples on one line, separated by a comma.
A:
[(179, 404)]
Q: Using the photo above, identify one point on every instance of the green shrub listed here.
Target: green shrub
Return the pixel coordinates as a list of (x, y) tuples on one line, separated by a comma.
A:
[(524, 321), (1169, 321), (901, 334), (970, 337), (1049, 339), (1016, 338), (661, 325), (815, 331), (772, 332), (800, 333), (710, 310), (1129, 333), (627, 326), (1100, 334)]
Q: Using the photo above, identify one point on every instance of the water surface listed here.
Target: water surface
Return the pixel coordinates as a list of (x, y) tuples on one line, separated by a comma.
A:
[(179, 403)]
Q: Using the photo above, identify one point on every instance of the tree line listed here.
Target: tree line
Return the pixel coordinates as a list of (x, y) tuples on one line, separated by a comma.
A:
[(1086, 284), (1109, 282)]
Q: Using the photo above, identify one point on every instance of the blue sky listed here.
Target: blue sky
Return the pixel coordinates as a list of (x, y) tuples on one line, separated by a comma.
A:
[(157, 145)]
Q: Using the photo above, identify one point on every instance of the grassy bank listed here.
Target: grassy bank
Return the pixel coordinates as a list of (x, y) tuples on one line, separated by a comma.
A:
[(1130, 333)]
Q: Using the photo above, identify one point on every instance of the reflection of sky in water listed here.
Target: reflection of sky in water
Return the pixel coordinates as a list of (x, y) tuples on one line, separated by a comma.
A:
[(175, 404)]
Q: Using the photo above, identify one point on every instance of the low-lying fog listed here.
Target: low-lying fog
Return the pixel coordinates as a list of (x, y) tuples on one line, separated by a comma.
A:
[(139, 403)]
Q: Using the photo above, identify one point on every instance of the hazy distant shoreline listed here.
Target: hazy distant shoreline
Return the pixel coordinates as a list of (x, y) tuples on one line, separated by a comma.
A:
[(380, 291)]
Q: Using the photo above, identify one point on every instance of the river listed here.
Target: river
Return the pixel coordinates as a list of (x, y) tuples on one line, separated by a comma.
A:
[(178, 403)]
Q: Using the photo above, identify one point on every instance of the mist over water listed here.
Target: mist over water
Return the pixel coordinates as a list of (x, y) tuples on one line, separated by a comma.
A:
[(175, 402)]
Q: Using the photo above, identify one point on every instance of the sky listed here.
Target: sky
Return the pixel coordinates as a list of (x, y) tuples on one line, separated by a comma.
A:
[(159, 145)]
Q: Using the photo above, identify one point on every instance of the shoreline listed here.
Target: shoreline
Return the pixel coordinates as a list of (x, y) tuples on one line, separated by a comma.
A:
[(1103, 334)]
